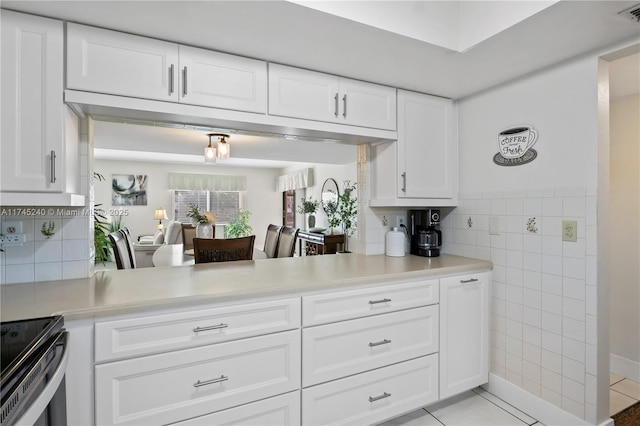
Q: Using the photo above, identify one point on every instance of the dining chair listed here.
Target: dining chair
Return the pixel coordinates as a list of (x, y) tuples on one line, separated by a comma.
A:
[(127, 236), (287, 241), (207, 250), (271, 240), (121, 250), (188, 234)]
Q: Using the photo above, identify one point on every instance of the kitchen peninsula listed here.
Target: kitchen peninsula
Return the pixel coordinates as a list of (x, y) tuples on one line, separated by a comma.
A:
[(210, 325)]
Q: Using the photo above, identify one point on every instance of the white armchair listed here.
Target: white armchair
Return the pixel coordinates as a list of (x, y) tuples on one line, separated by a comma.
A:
[(173, 234)]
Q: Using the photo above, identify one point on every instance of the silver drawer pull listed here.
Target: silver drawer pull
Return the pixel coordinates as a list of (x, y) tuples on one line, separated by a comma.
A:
[(377, 398), (210, 382), (382, 342), (385, 300), (211, 327), (472, 280), (336, 105), (53, 167), (171, 68)]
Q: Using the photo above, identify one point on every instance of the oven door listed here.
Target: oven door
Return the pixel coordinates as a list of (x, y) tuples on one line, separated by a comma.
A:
[(46, 404)]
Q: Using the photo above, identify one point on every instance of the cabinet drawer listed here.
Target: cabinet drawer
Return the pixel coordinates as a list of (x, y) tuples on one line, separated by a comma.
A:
[(325, 308), (373, 397), (175, 386), (153, 334), (337, 350), (282, 410)]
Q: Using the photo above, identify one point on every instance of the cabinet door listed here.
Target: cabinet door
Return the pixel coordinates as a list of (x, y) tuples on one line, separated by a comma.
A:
[(121, 64), (281, 410), (373, 397), (179, 385), (464, 333), (222, 81), (299, 93), (367, 105), (32, 105), (426, 157)]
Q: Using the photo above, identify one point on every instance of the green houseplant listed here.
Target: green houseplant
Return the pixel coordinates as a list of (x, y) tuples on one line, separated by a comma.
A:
[(101, 229), (347, 211), (195, 215), (309, 207), (238, 226)]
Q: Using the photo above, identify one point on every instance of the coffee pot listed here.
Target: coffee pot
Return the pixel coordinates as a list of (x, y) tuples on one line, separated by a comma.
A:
[(426, 238)]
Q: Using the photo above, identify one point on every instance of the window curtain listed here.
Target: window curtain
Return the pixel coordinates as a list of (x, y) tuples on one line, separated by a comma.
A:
[(295, 180), (207, 182)]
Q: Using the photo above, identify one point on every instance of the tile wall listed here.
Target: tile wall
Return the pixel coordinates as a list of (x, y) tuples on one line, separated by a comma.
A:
[(543, 324)]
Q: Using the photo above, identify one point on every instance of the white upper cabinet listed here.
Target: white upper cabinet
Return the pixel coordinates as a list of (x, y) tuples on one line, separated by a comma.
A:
[(223, 81), (33, 140), (421, 167), (311, 95), (111, 62), (426, 161)]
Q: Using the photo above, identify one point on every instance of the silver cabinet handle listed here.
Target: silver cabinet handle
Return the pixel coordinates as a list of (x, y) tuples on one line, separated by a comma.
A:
[(171, 79), (385, 300), (404, 182), (211, 327), (53, 167), (344, 101), (377, 398), (184, 81), (382, 342), (336, 104), (210, 382), (471, 280)]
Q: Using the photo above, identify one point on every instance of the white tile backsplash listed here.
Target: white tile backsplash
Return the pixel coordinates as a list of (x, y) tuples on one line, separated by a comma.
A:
[(48, 271), (48, 251)]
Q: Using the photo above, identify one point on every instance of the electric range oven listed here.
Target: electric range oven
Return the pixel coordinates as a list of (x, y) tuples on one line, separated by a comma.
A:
[(34, 361)]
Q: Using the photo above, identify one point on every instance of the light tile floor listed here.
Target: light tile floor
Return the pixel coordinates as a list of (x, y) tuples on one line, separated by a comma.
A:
[(623, 393), (476, 407)]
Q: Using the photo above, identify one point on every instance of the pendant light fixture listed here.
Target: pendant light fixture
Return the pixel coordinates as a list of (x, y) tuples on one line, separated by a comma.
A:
[(210, 151), (224, 149)]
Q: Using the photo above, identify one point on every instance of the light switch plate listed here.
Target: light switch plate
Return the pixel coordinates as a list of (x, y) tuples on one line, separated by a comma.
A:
[(570, 230)]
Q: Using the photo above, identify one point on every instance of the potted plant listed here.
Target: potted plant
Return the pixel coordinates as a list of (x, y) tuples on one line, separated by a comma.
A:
[(309, 207), (195, 215), (331, 210), (238, 226), (347, 211)]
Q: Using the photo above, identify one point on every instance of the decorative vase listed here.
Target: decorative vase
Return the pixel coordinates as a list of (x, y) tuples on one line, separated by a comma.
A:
[(204, 230), (311, 221)]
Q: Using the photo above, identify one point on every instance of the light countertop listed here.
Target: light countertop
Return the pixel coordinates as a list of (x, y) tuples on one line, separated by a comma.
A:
[(130, 291)]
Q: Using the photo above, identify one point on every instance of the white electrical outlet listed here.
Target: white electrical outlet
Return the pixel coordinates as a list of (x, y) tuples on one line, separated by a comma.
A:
[(570, 230), (400, 220), (12, 239)]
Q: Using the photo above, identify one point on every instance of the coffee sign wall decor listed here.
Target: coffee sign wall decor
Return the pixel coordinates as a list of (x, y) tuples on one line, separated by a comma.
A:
[(514, 146)]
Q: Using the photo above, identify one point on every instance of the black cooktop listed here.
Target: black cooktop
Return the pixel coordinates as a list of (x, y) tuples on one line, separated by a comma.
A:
[(22, 340)]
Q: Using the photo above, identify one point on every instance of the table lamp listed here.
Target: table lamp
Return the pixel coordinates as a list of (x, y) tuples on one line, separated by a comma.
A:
[(159, 215)]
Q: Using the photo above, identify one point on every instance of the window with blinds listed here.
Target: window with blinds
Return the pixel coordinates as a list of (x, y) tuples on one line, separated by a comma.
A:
[(224, 204)]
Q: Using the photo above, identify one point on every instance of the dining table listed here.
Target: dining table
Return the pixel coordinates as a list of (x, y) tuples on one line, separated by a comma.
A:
[(176, 255)]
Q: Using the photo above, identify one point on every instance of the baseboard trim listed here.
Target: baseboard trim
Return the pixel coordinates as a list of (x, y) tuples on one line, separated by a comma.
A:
[(624, 367), (536, 407)]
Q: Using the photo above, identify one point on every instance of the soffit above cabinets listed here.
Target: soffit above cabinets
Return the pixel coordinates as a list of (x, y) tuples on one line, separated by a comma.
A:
[(291, 34)]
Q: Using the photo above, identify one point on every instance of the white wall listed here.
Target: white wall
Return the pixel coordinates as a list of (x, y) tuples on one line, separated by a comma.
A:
[(544, 290), (261, 198), (624, 275)]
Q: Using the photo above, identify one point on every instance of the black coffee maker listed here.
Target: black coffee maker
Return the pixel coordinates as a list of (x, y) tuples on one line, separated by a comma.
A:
[(426, 238)]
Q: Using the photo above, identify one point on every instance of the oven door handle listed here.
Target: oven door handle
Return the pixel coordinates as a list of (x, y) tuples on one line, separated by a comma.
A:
[(38, 406)]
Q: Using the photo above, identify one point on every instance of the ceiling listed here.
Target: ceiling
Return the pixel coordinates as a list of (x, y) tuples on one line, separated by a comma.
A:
[(293, 34)]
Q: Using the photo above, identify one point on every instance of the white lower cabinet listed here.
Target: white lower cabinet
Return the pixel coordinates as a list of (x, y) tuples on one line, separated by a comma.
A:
[(464, 333), (341, 349), (362, 356), (174, 386), (373, 397), (281, 410)]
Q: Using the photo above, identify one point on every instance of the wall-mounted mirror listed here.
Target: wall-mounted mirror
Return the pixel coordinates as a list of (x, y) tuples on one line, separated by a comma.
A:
[(329, 194)]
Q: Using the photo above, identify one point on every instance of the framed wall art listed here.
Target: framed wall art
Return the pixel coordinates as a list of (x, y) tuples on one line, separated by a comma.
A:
[(129, 190)]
